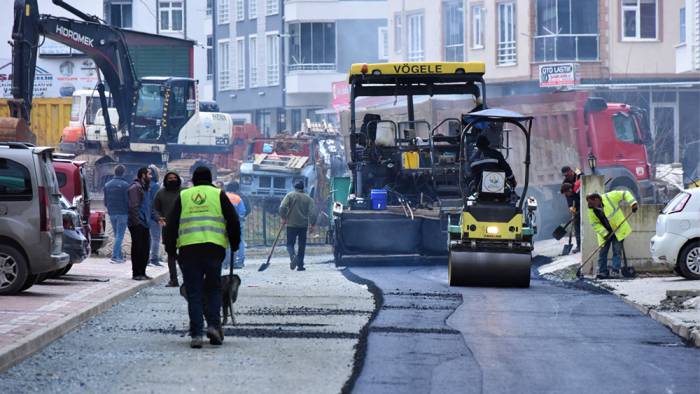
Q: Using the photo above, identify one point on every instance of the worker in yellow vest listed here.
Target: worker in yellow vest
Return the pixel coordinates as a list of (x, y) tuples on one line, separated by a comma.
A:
[(201, 225), (606, 217)]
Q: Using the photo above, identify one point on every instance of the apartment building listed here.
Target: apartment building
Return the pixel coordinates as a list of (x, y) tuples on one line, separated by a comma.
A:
[(248, 38), (640, 52), (323, 38), (185, 19)]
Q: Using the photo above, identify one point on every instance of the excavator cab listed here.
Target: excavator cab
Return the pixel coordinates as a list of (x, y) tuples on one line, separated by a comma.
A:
[(492, 241), (164, 106)]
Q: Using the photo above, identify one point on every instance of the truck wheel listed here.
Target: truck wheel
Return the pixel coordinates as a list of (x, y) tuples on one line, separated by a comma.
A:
[(625, 185), (13, 270), (689, 261)]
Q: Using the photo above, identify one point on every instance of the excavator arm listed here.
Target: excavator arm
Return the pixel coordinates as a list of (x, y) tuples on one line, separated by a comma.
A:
[(103, 43)]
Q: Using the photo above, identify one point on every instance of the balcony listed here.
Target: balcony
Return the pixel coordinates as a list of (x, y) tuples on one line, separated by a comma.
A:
[(566, 47), (507, 53), (312, 67)]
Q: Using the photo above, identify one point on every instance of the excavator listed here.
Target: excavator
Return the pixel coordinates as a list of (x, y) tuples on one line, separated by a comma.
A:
[(158, 117)]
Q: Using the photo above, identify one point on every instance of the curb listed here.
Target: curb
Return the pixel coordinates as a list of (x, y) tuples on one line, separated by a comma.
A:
[(13, 354), (689, 333)]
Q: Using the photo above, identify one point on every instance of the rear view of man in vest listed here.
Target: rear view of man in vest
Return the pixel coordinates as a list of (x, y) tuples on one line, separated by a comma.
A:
[(202, 224)]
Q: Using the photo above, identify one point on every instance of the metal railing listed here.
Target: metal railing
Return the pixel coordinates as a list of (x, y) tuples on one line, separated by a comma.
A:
[(507, 52), (263, 222), (273, 74), (312, 67), (559, 47)]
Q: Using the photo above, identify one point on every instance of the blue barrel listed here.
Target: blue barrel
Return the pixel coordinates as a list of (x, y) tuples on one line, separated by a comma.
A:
[(378, 197)]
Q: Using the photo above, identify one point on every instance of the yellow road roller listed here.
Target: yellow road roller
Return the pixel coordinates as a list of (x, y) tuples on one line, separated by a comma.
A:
[(491, 245)]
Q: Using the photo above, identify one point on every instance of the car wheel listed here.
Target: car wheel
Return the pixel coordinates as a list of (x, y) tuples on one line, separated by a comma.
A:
[(689, 262), (13, 270)]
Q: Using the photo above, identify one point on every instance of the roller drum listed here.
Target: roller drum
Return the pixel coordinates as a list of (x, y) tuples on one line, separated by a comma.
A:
[(467, 268)]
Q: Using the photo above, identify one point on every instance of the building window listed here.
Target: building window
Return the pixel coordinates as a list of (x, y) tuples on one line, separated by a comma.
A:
[(240, 63), (210, 57), (224, 65), (397, 33), (170, 16), (272, 7), (222, 11), (566, 30), (272, 48), (252, 9), (681, 25), (240, 11), (639, 19), (120, 13), (210, 6), (478, 27), (415, 38), (454, 31), (253, 60), (383, 43), (311, 46), (507, 53)]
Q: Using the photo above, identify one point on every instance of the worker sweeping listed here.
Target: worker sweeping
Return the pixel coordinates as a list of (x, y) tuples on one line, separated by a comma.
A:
[(297, 213), (201, 225), (606, 218)]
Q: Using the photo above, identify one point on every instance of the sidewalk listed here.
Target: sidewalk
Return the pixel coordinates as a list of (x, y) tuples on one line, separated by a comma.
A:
[(45, 312), (671, 300)]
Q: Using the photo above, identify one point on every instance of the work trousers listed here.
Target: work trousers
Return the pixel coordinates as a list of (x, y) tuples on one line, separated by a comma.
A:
[(617, 255), (172, 267), (202, 278), (118, 228), (154, 229), (294, 233), (140, 245), (577, 228)]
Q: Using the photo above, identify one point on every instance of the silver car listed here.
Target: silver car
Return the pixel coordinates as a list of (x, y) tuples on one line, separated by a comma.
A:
[(31, 222)]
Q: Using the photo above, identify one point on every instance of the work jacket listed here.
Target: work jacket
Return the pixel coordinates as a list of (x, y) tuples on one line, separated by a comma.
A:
[(614, 214), (201, 219), (116, 198), (240, 206)]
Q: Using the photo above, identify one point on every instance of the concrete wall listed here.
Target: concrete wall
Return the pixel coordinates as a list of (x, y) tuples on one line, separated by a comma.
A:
[(636, 245)]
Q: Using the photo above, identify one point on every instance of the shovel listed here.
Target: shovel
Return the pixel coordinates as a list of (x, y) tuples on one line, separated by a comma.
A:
[(272, 250), (560, 231), (627, 271), (567, 248)]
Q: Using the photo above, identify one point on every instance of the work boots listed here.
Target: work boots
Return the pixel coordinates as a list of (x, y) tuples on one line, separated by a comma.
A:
[(196, 343), (215, 335)]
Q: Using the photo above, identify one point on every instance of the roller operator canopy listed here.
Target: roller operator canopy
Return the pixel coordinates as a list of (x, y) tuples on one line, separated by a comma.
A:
[(416, 78)]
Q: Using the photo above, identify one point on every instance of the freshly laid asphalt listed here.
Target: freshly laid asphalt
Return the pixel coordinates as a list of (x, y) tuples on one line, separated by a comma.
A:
[(550, 338)]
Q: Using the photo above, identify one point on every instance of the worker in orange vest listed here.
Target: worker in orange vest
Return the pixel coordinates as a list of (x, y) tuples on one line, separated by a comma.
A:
[(232, 192)]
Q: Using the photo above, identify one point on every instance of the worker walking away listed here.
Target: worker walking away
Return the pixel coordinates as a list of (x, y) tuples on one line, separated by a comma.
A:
[(297, 213), (242, 210), (486, 158), (163, 204), (139, 216), (202, 224), (606, 217), (154, 227), (573, 201), (117, 203)]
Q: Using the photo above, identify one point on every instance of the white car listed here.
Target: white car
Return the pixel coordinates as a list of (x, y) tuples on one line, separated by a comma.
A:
[(677, 239)]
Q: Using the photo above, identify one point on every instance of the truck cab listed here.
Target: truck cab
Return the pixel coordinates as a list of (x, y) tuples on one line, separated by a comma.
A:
[(84, 111), (616, 138)]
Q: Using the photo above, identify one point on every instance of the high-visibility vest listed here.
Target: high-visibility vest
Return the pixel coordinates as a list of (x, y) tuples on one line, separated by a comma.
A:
[(234, 198), (615, 215), (201, 219)]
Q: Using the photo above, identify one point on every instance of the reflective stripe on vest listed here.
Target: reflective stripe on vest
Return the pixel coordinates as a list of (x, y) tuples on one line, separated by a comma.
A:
[(201, 219)]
